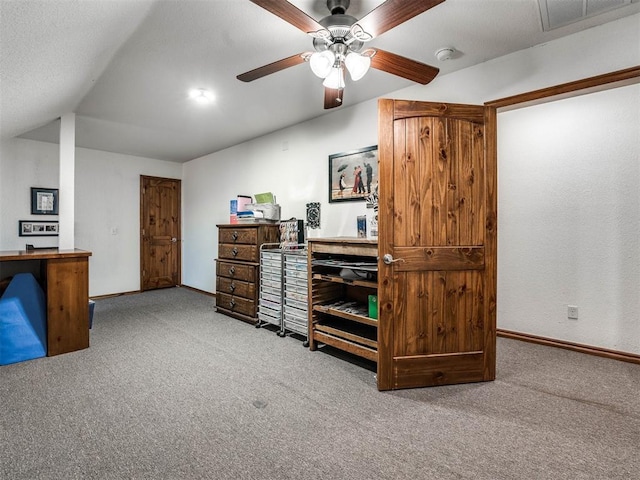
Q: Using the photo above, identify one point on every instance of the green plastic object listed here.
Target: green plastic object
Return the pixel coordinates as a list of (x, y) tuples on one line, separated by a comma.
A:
[(373, 306)]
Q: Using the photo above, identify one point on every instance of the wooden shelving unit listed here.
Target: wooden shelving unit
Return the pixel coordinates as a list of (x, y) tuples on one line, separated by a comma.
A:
[(342, 275)]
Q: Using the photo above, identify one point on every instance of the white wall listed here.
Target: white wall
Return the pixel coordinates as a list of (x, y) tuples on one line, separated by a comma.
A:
[(107, 197), (24, 164), (569, 219), (296, 176), (299, 175)]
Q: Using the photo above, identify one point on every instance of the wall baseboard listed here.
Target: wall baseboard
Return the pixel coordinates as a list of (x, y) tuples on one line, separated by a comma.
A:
[(111, 295), (576, 347), (133, 292), (204, 292)]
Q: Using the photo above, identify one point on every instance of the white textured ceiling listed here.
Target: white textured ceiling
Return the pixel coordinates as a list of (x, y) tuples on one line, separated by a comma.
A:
[(125, 66)]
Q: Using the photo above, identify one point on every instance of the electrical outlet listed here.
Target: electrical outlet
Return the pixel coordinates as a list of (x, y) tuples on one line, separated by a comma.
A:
[(572, 312)]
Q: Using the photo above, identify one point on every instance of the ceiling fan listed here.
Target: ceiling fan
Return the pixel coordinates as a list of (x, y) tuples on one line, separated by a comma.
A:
[(339, 39)]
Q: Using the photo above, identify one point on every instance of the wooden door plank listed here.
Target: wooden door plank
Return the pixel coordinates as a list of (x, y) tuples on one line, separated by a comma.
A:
[(400, 185), (449, 317), (455, 157), (410, 178), (438, 286), (476, 335), (432, 370), (491, 243), (406, 314), (410, 108), (464, 323), (478, 172), (425, 181), (386, 132), (465, 185), (400, 314), (439, 258), (422, 341), (441, 183)]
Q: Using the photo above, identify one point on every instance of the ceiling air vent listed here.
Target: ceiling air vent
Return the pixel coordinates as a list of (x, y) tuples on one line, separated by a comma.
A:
[(558, 13)]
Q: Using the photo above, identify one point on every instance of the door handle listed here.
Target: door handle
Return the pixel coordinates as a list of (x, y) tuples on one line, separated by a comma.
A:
[(388, 259), (234, 235), (234, 251), (232, 286), (232, 271), (232, 303), (174, 240)]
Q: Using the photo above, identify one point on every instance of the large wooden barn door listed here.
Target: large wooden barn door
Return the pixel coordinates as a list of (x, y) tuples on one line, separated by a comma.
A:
[(437, 244), (159, 232)]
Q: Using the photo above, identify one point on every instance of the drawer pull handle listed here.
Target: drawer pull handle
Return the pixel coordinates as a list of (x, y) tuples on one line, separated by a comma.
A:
[(232, 271), (232, 303), (235, 236), (232, 286), (234, 251)]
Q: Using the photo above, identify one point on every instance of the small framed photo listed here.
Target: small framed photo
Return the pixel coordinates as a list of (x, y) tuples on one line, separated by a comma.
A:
[(353, 176), (44, 201), (37, 228)]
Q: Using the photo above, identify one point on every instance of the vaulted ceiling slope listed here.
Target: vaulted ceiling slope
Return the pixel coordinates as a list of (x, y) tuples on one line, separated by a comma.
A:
[(125, 66)]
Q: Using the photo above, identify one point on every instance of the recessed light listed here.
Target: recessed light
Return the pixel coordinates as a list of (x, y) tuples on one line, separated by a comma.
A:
[(201, 95)]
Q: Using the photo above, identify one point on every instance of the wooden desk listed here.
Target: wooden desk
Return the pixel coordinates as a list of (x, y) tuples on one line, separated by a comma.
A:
[(65, 278)]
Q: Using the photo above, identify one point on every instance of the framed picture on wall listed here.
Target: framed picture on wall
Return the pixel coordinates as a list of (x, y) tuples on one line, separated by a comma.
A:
[(353, 176), (37, 228), (44, 201)]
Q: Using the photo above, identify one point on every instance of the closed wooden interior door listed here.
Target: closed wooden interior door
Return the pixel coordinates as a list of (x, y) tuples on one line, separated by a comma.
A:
[(437, 224), (159, 232)]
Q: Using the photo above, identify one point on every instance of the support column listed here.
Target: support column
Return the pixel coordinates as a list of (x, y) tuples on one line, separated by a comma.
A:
[(66, 198)]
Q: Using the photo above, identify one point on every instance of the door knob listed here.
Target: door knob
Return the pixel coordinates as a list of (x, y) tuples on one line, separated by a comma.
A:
[(388, 259), (174, 240)]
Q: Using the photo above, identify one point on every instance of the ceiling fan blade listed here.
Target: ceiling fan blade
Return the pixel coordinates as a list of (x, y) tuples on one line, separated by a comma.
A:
[(403, 67), (333, 97), (390, 14), (274, 67), (293, 15)]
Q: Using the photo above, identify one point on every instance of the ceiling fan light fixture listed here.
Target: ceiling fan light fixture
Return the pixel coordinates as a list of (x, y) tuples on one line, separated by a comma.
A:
[(335, 80), (358, 65), (321, 63), (340, 35)]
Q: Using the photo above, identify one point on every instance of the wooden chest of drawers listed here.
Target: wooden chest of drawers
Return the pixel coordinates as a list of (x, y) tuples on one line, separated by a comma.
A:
[(238, 267)]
